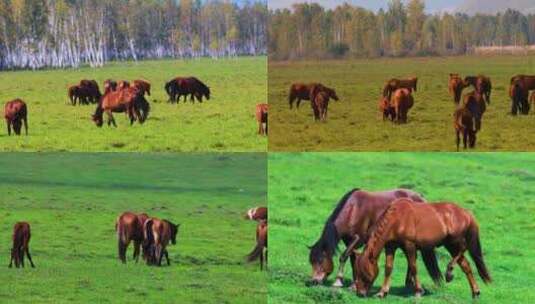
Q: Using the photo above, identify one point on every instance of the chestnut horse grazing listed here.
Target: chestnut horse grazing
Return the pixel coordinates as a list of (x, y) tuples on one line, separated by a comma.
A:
[(16, 113), (262, 118), (110, 85), (157, 235), (257, 214), (129, 227), (299, 91), (260, 250), (21, 245), (402, 101), (421, 226), (184, 86), (456, 86), (350, 222), (481, 84), (129, 100), (143, 86), (393, 84)]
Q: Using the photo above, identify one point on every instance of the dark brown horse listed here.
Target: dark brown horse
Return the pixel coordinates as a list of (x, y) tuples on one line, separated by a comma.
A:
[(16, 114), (129, 100), (157, 235), (143, 86), (110, 85), (260, 250), (257, 214), (475, 102), (424, 227), (21, 245), (129, 228), (90, 90), (299, 92), (184, 86), (456, 86), (481, 84), (262, 118), (350, 222), (463, 123), (393, 84), (519, 93), (320, 96), (401, 102)]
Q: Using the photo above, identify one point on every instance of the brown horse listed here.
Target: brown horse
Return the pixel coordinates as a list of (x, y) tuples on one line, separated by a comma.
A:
[(320, 96), (421, 226), (123, 84), (481, 84), (299, 91), (393, 84), (463, 123), (519, 93), (184, 86), (262, 118), (386, 109), (129, 100), (257, 214), (401, 102), (16, 114), (260, 250), (129, 227), (356, 212), (475, 102), (456, 86), (110, 85), (21, 245), (90, 89), (143, 86), (157, 235)]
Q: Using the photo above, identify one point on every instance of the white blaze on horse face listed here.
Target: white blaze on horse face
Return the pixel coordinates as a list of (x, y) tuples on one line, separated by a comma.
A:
[(251, 213)]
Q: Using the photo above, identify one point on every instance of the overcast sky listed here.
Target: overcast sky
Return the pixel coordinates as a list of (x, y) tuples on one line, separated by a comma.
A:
[(431, 5)]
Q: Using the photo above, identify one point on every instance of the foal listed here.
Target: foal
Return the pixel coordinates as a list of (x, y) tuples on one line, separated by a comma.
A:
[(21, 241)]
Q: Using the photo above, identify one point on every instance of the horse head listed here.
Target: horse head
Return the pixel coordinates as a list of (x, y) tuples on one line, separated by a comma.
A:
[(366, 270), (321, 261)]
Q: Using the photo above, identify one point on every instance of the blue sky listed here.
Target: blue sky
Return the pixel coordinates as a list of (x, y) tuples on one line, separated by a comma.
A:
[(431, 5)]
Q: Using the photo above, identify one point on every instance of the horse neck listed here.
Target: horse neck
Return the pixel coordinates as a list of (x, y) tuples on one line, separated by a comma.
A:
[(377, 240)]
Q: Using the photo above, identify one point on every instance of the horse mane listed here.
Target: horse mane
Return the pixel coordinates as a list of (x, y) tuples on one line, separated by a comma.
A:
[(378, 230), (329, 237)]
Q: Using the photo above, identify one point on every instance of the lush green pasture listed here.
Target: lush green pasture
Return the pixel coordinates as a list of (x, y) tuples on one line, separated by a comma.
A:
[(355, 124), (497, 188), (72, 201), (224, 123)]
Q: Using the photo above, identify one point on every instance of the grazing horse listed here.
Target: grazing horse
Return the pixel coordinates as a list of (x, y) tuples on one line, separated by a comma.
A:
[(356, 212), (16, 114), (90, 89), (184, 86), (401, 102), (393, 84), (21, 245), (262, 118), (110, 85), (128, 100), (463, 123), (157, 235), (260, 250), (421, 226), (299, 91), (129, 227), (456, 86), (257, 214), (386, 109), (143, 86), (519, 93), (481, 84)]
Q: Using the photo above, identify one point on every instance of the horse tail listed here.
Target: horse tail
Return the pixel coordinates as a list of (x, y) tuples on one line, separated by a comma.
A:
[(121, 240), (431, 264), (386, 90), (148, 236), (474, 248), (257, 251)]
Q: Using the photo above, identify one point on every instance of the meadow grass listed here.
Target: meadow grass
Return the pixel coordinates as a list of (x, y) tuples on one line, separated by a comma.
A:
[(355, 124), (226, 122), (72, 201), (495, 187)]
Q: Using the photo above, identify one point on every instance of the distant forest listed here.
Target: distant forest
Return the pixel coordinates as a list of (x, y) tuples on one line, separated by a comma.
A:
[(311, 31), (70, 33)]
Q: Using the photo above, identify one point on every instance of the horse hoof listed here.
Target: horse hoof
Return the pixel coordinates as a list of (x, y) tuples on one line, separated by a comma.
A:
[(418, 295), (352, 287), (449, 277), (475, 295), (338, 283), (381, 294)]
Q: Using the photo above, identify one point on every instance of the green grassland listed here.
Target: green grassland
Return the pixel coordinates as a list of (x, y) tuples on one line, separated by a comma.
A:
[(355, 124), (497, 188), (72, 201), (224, 123)]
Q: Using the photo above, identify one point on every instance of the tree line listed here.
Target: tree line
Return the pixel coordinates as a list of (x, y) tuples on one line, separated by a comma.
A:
[(311, 31), (69, 33)]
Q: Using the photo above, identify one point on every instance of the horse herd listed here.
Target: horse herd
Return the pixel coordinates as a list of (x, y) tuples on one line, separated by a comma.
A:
[(397, 99), (123, 97), (149, 235), (391, 220)]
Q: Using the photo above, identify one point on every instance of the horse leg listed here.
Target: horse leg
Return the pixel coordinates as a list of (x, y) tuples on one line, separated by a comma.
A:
[(25, 121), (411, 256), (458, 139), (465, 266), (262, 259), (465, 138), (389, 265), (298, 103), (343, 259), (12, 258), (122, 250), (111, 120), (167, 257), (27, 249), (21, 256), (137, 245), (8, 127)]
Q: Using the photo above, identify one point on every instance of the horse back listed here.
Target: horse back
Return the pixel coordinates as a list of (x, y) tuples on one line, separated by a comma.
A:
[(21, 234), (15, 108)]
